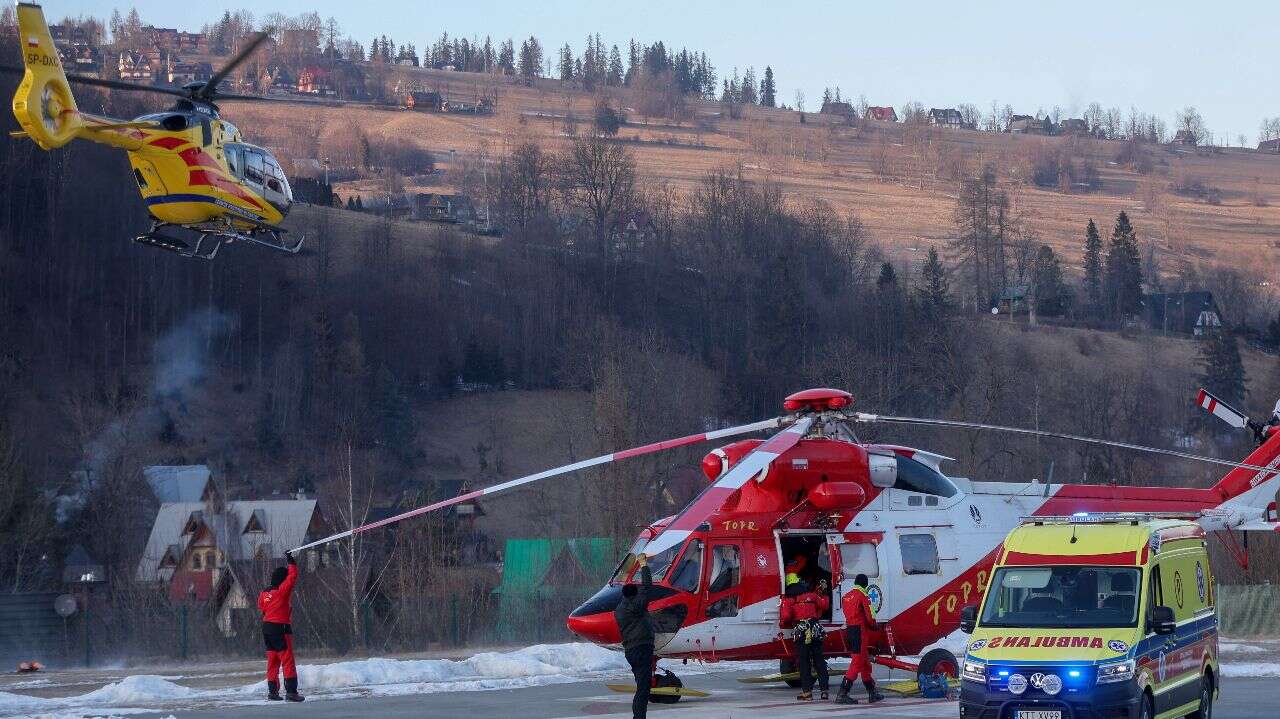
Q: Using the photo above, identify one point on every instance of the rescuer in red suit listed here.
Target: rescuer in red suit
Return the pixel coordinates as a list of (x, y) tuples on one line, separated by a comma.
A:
[(860, 620), (275, 604), (808, 636)]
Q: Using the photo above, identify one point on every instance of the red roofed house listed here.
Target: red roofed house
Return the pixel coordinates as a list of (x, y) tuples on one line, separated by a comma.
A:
[(195, 546), (881, 114)]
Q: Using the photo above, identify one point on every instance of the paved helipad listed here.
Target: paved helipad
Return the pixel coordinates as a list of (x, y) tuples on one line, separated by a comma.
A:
[(1241, 699)]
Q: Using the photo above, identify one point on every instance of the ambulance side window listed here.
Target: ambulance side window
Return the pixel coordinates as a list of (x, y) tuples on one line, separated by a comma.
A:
[(919, 553)]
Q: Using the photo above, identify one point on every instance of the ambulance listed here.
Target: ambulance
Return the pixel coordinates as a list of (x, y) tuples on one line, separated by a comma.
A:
[(1094, 617)]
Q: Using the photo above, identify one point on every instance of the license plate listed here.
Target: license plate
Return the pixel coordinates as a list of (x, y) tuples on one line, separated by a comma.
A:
[(1038, 714)]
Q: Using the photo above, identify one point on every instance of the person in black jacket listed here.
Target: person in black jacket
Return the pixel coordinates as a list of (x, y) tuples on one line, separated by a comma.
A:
[(632, 615)]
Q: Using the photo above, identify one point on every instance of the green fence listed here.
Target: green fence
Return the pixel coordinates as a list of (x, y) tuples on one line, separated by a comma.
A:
[(1246, 611)]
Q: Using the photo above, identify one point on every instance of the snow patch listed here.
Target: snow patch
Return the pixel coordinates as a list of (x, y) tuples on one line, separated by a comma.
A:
[(1250, 669), (138, 689), (539, 664)]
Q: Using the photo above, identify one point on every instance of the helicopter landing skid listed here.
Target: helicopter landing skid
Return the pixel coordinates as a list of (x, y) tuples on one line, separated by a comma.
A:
[(210, 238)]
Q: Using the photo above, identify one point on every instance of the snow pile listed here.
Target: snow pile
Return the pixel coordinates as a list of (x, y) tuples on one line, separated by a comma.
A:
[(139, 689), (540, 664)]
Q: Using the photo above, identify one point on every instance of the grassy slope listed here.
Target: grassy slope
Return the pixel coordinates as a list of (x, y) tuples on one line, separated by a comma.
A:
[(836, 163)]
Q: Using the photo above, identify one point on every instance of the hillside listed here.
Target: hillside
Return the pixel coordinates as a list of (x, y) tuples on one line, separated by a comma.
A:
[(1193, 207)]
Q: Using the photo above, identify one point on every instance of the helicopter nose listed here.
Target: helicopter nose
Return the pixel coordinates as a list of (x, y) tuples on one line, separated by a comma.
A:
[(598, 628)]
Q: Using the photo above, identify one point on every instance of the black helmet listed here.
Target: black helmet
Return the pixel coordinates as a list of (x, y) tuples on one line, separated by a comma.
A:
[(278, 576)]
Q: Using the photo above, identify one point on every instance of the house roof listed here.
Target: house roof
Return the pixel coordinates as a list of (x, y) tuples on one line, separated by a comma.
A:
[(882, 113), (286, 522), (181, 483)]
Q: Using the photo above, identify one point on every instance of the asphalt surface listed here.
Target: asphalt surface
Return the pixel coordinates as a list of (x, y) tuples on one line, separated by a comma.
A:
[(1240, 699)]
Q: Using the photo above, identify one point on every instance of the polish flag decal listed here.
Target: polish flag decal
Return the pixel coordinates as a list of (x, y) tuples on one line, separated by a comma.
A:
[(33, 41)]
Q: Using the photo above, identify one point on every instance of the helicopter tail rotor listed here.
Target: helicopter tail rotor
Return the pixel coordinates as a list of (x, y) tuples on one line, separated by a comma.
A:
[(43, 103)]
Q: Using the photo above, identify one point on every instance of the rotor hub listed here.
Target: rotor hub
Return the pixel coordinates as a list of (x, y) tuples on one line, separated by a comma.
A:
[(819, 399)]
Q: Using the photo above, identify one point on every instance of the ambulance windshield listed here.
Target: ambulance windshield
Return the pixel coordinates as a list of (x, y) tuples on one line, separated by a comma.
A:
[(1063, 596)]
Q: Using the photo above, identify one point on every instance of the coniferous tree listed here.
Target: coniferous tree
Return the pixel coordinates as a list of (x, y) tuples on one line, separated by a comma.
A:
[(530, 58), (1122, 284), (933, 295), (507, 58), (1093, 266), (633, 63), (768, 91), (566, 63), (826, 96), (1221, 369), (615, 67), (747, 89), (1050, 294)]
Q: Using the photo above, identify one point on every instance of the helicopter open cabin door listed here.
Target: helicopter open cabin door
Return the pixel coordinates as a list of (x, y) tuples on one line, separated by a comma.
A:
[(855, 553)]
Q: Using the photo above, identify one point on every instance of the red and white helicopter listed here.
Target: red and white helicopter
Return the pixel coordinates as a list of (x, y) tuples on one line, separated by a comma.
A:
[(926, 540)]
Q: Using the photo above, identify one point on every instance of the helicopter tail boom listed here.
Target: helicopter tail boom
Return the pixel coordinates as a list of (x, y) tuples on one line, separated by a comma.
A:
[(43, 103)]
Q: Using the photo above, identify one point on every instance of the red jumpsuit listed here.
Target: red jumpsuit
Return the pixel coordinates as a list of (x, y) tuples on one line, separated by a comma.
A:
[(277, 632), (860, 620)]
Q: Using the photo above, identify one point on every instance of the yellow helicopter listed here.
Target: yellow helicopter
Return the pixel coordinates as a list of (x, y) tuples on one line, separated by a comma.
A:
[(194, 169)]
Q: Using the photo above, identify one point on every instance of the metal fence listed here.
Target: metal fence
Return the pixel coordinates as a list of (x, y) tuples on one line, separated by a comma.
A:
[(1249, 611)]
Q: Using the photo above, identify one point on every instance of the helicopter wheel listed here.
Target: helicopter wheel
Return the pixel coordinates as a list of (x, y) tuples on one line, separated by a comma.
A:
[(666, 679), (788, 666), (940, 661)]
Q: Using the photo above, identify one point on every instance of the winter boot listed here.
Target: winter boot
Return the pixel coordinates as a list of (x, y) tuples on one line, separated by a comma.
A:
[(873, 696), (842, 696), (291, 689), (825, 696), (804, 696), (273, 691)]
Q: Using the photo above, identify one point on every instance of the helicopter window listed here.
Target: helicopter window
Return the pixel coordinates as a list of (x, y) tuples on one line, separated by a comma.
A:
[(235, 159), (274, 184), (725, 570), (915, 476), (206, 133), (660, 563), (687, 573), (726, 607), (919, 553), (174, 123), (137, 175), (253, 167), (858, 559)]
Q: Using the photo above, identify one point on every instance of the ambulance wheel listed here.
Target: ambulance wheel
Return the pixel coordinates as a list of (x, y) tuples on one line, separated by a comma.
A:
[(1145, 711), (788, 666), (666, 680), (940, 661), (1205, 710)]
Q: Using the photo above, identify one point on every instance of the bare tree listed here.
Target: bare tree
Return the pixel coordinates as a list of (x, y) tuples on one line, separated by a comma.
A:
[(598, 177), (1190, 122), (800, 100)]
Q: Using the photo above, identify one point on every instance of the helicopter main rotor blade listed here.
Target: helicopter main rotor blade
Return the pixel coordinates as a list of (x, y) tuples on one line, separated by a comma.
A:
[(546, 474), (872, 418), (714, 496), (210, 88)]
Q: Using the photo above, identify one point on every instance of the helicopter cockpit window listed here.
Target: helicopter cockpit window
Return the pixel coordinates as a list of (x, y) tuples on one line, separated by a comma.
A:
[(915, 476), (253, 169), (690, 568), (273, 174), (235, 159)]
